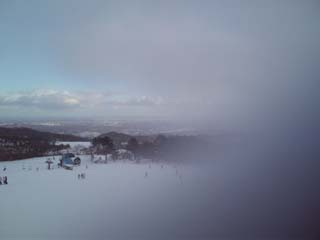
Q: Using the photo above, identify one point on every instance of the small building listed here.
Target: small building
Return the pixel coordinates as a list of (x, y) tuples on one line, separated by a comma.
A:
[(69, 160)]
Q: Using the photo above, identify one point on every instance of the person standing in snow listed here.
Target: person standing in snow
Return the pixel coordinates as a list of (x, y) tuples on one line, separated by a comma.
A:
[(0, 180), (5, 180)]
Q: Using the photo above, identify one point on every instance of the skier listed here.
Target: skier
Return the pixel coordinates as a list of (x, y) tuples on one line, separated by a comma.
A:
[(5, 180), (5, 168), (0, 180)]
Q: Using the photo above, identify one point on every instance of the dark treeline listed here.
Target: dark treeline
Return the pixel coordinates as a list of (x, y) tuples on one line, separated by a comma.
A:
[(156, 148), (20, 143)]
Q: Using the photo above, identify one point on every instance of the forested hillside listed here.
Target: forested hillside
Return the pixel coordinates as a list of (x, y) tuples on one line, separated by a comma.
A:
[(19, 143)]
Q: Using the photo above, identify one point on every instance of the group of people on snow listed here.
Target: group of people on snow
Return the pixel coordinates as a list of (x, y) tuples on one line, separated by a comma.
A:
[(3, 180), (81, 176)]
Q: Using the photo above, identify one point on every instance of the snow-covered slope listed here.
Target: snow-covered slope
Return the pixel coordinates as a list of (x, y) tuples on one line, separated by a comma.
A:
[(114, 201), (118, 201)]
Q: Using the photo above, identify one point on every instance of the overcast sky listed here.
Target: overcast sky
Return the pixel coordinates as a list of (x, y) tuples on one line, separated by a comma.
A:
[(218, 60)]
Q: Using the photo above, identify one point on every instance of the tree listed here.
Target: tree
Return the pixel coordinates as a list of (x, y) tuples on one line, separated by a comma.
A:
[(105, 143), (133, 146)]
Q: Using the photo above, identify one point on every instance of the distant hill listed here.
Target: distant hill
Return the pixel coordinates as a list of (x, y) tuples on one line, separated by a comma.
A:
[(27, 133), (116, 136), (20, 143), (119, 138)]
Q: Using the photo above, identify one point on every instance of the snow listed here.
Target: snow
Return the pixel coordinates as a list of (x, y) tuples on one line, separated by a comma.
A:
[(75, 147), (146, 201), (114, 201)]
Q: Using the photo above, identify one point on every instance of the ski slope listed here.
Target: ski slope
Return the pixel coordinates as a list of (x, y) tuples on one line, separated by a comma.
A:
[(115, 200), (118, 201)]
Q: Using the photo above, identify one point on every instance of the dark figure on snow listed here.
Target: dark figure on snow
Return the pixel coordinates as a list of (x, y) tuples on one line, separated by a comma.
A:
[(5, 180), (4, 168), (0, 180)]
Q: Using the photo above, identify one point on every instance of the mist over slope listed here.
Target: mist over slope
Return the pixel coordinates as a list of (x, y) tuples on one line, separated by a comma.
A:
[(247, 70)]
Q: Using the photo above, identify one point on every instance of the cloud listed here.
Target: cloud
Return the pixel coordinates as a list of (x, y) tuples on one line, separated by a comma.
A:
[(143, 101), (48, 103), (41, 99), (86, 101)]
